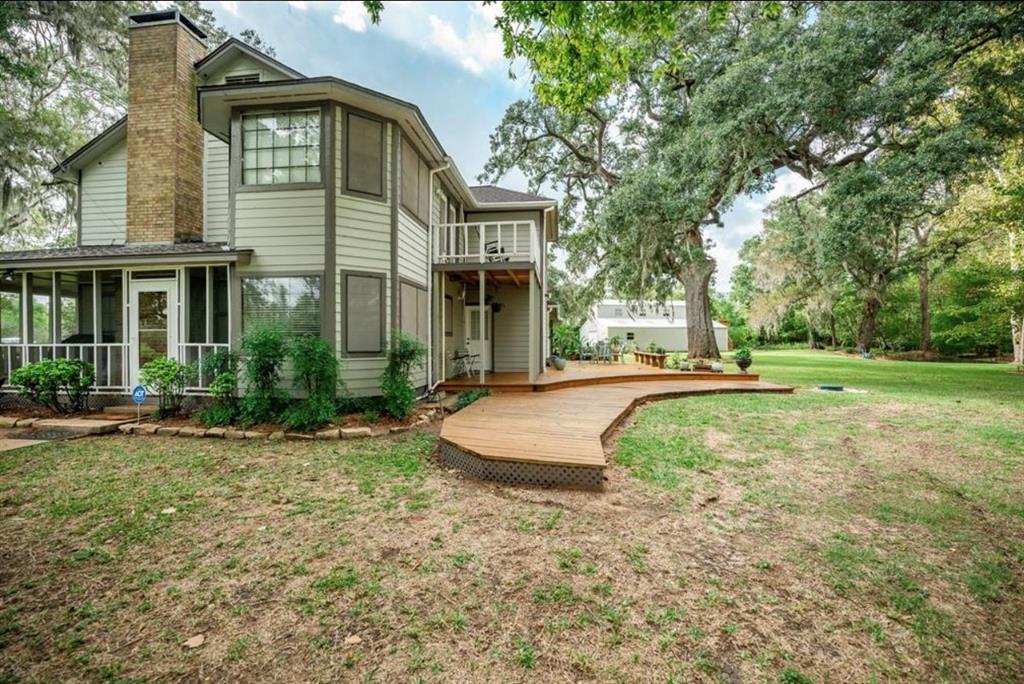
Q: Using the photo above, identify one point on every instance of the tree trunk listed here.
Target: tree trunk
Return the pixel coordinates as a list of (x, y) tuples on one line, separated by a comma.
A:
[(926, 311), (810, 331), (832, 329), (1017, 332), (700, 331), (868, 322)]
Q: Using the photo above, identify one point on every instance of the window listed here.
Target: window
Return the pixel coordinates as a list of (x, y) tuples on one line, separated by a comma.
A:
[(281, 147), (415, 183), (365, 156), (290, 304), (630, 336), (363, 314), (449, 316), (619, 313), (241, 79), (413, 309), (10, 308)]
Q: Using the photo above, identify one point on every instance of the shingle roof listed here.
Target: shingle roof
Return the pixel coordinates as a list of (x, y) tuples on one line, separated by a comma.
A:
[(93, 251), (492, 194)]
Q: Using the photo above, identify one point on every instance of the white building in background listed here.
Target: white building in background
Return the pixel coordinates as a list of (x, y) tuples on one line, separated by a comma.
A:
[(638, 325)]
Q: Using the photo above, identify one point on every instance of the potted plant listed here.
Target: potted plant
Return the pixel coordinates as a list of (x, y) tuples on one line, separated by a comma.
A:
[(615, 345), (565, 341), (743, 358), (659, 357)]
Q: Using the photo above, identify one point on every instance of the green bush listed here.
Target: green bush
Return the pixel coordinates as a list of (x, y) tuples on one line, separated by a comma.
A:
[(565, 340), (264, 351), (316, 374), (58, 384), (466, 398), (167, 378), (222, 367), (348, 404), (404, 354)]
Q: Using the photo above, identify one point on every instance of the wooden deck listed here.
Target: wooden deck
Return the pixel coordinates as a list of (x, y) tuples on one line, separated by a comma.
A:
[(565, 428), (581, 374)]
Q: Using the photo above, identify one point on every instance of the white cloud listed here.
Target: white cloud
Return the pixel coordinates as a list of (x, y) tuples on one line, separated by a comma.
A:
[(231, 7), (476, 51), (298, 4), (352, 15)]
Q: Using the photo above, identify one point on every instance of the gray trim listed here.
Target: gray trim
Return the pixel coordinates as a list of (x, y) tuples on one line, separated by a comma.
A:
[(449, 320), (234, 170), (253, 52), (78, 209), (327, 289), (101, 140), (343, 188), (235, 151), (396, 141), (344, 273), (127, 261)]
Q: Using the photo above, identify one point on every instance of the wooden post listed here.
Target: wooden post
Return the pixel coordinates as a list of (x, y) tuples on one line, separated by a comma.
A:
[(482, 320), (532, 275)]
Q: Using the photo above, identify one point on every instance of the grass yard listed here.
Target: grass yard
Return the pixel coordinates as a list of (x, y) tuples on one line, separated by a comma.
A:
[(813, 537)]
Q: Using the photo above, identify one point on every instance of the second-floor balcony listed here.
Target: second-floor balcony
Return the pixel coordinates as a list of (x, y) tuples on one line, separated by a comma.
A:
[(488, 242)]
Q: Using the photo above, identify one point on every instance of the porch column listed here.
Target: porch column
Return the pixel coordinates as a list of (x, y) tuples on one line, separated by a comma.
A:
[(481, 328), (533, 346)]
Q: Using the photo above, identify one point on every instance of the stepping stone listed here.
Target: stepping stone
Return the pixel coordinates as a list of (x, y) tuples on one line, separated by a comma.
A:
[(255, 435), (167, 431), (329, 434), (217, 432), (7, 421), (26, 422), (187, 432), (234, 434), (276, 436)]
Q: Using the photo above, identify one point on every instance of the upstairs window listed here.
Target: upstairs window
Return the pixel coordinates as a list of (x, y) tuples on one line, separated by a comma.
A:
[(415, 183), (365, 155), (281, 147)]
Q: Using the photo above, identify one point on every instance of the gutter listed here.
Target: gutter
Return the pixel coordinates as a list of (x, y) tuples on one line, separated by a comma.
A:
[(430, 268)]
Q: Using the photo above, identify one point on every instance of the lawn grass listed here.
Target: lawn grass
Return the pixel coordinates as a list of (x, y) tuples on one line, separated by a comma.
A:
[(814, 537)]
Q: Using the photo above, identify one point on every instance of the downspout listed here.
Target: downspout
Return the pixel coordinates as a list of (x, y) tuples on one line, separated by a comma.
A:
[(546, 321), (430, 276)]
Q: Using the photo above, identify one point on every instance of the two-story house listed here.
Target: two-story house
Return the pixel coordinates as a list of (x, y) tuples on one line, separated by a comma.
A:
[(237, 192)]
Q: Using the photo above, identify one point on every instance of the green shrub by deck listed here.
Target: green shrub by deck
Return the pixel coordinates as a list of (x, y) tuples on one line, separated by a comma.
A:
[(222, 367), (168, 379), (404, 354), (58, 384), (466, 398)]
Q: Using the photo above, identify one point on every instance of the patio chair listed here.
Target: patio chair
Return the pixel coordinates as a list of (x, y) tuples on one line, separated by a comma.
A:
[(603, 352), (491, 247)]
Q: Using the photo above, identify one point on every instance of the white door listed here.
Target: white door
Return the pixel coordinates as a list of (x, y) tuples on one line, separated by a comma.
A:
[(473, 342), (153, 323)]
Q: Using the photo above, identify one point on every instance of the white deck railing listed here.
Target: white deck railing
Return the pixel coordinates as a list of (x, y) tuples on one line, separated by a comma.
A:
[(487, 242)]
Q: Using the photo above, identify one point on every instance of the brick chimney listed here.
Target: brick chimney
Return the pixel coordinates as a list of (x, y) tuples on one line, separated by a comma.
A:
[(165, 140)]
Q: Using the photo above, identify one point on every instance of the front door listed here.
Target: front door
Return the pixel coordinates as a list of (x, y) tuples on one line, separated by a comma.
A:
[(473, 342), (153, 325)]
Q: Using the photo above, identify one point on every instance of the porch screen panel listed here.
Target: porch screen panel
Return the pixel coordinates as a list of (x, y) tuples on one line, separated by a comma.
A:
[(196, 313), (76, 307), (41, 291), (364, 313), (111, 306), (365, 167), (219, 278), (289, 304), (10, 308)]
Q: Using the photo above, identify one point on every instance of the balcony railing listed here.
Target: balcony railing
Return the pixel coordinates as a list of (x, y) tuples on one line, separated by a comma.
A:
[(487, 242)]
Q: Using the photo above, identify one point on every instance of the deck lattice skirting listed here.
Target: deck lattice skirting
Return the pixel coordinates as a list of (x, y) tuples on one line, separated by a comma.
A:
[(556, 438)]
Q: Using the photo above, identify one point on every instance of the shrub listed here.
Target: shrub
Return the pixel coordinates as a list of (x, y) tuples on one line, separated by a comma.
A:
[(222, 367), (264, 351), (466, 398), (58, 384), (348, 404), (309, 413), (168, 379), (651, 347), (660, 350), (404, 354), (565, 340), (316, 374), (742, 353)]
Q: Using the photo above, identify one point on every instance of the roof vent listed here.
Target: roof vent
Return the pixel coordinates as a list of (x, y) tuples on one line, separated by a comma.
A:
[(241, 79)]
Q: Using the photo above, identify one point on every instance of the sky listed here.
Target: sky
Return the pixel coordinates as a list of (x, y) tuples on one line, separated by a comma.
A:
[(447, 58)]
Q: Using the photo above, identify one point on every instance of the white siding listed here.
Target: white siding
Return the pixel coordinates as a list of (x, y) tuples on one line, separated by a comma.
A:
[(215, 190), (363, 243), (105, 198), (285, 228), (512, 329)]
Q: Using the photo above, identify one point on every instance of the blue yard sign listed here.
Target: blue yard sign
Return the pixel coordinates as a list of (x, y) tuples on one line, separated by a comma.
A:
[(139, 395)]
